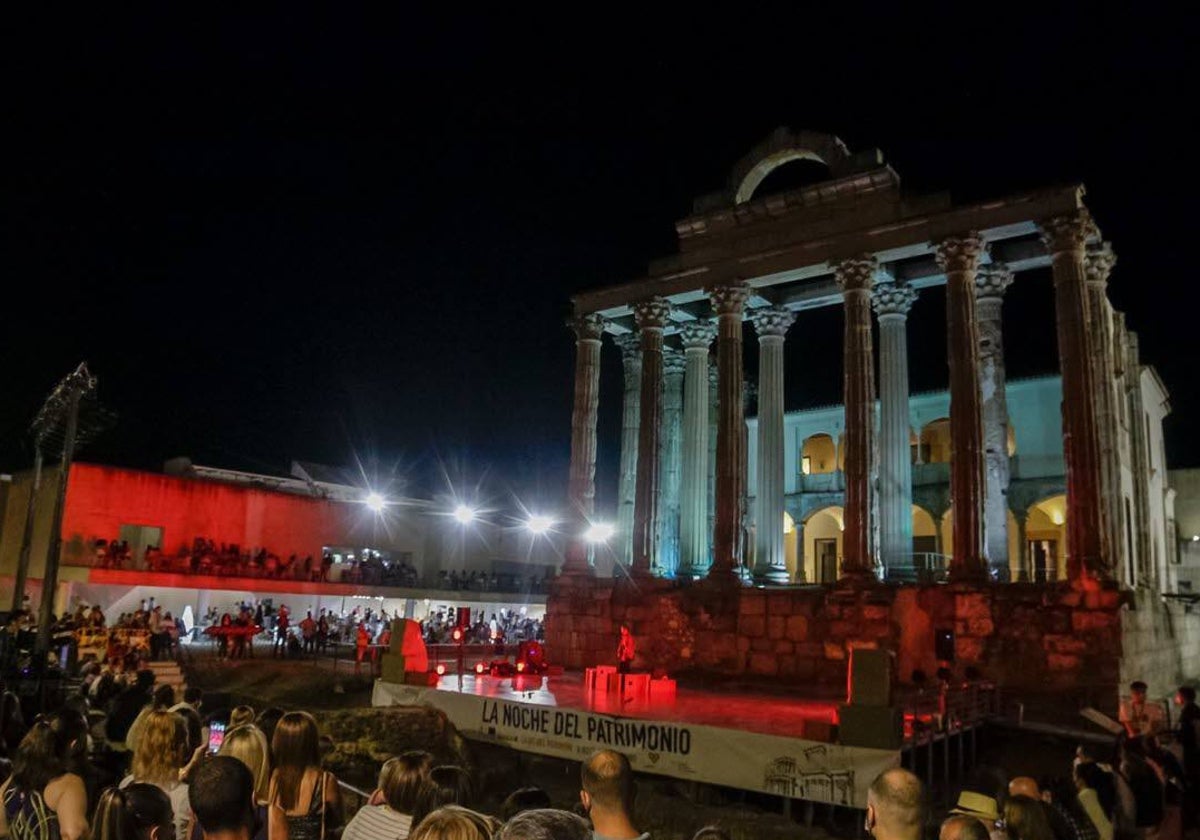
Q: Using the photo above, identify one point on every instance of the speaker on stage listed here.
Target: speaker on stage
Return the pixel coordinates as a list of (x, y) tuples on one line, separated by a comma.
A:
[(870, 677), (880, 727)]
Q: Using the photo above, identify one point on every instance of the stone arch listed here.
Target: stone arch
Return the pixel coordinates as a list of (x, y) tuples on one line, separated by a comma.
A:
[(1046, 534), (935, 441), (821, 452), (822, 549), (783, 146)]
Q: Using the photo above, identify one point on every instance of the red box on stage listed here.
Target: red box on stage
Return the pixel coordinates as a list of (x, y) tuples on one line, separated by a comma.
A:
[(662, 691), (596, 679), (637, 686)]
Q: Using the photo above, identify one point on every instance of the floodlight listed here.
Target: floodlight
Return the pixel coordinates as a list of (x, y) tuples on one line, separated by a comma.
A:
[(375, 502), (599, 532), (464, 515), (538, 524)]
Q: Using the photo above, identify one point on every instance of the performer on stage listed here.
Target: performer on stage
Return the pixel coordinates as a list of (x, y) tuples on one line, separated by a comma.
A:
[(626, 649)]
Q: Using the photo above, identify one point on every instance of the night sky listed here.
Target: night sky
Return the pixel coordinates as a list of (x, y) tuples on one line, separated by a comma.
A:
[(278, 238)]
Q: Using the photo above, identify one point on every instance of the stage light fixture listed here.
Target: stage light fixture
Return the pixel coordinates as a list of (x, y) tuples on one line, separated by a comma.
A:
[(464, 515), (441, 669), (520, 667), (599, 532), (479, 668), (539, 524), (375, 502)]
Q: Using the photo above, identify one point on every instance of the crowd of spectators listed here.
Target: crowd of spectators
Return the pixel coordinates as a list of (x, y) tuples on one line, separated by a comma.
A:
[(505, 627)]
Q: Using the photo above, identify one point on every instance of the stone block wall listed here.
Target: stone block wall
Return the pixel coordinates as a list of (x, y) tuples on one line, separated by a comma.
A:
[(1036, 638), (1161, 643)]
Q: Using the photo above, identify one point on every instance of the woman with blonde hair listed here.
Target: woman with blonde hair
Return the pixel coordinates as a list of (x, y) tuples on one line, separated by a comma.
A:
[(249, 745), (240, 716), (159, 759), (453, 822), (389, 813), (304, 800)]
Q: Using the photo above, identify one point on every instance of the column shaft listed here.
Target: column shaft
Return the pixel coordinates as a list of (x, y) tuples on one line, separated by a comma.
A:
[(892, 302), (991, 282), (959, 258), (714, 417), (728, 301), (581, 480), (694, 526), (650, 316), (770, 564), (1099, 263), (672, 432), (1065, 237), (631, 362), (855, 277)]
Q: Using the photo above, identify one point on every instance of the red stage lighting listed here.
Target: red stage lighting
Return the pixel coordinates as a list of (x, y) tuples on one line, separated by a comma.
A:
[(520, 667), (441, 669), (479, 668), (458, 634)]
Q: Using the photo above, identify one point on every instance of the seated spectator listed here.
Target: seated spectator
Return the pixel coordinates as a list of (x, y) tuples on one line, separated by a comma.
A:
[(389, 813), (248, 745), (454, 823), (545, 824), (447, 785), (1096, 794), (241, 716), (138, 812), (222, 797), (160, 756), (895, 806), (43, 797), (958, 827), (305, 801), (1026, 820), (125, 708), (524, 799), (607, 796)]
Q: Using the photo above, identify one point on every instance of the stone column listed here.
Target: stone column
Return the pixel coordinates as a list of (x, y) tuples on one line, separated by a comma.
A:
[(772, 325), (694, 526), (1024, 573), (581, 481), (714, 416), (1065, 237), (672, 431), (728, 302), (1098, 263), (990, 284), (958, 257), (630, 345), (650, 317), (855, 278), (892, 302)]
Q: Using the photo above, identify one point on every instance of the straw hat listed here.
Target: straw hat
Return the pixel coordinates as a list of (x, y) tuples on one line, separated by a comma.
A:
[(979, 805)]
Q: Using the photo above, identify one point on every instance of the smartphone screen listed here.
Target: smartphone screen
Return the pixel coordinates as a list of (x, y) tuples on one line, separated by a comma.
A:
[(216, 736)]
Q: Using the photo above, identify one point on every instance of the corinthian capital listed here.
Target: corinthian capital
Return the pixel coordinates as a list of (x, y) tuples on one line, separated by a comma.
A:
[(673, 362), (587, 327), (651, 314), (992, 281), (959, 253), (773, 320), (1068, 233), (892, 299), (731, 299), (1099, 262), (697, 334), (630, 345), (856, 273)]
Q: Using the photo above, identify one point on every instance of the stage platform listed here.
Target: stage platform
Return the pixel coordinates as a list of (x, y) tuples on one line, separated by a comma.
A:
[(741, 738)]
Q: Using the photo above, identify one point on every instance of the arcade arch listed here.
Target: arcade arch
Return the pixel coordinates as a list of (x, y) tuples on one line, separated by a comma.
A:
[(823, 544), (819, 455), (1046, 538)]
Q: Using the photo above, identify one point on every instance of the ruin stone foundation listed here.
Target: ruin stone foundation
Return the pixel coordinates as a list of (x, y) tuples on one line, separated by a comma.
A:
[(1029, 638)]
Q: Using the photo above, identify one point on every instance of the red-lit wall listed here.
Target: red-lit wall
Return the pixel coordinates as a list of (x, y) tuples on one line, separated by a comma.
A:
[(100, 499)]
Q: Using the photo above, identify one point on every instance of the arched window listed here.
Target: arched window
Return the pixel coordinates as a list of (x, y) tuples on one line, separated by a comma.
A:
[(818, 455), (935, 441)]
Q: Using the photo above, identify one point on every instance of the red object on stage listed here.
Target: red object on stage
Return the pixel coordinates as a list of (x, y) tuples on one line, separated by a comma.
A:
[(531, 656), (232, 630)]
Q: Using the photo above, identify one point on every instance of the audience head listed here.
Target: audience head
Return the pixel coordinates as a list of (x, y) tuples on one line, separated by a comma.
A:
[(960, 827), (1184, 695), (193, 697), (221, 794), (524, 799), (403, 779), (1026, 819), (240, 716), (49, 749), (545, 824), (164, 697), (144, 679), (295, 747), (268, 719), (194, 727), (1024, 786), (161, 749), (452, 822), (447, 785), (136, 812), (895, 805), (248, 745), (711, 832), (1137, 690), (607, 781)]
